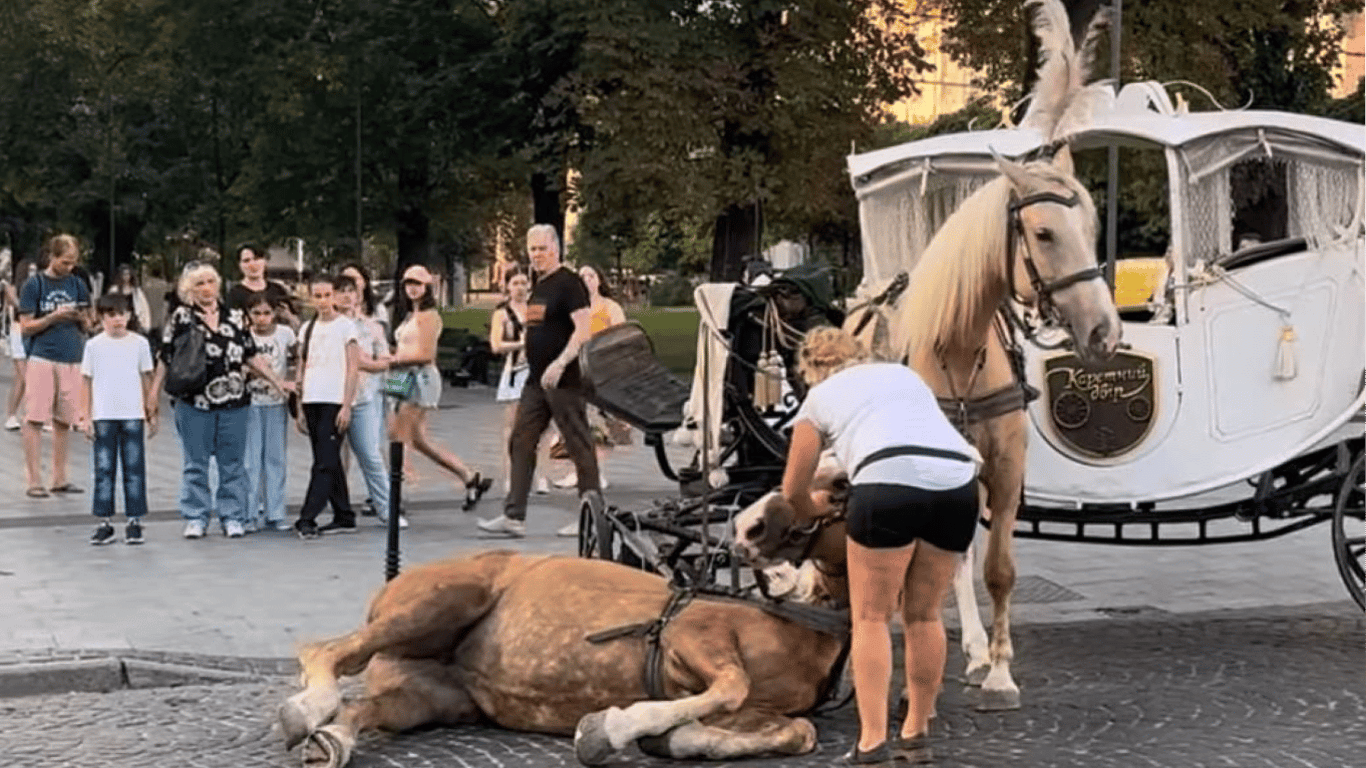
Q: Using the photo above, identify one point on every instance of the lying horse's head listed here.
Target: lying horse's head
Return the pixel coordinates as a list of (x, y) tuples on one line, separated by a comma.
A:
[(769, 531)]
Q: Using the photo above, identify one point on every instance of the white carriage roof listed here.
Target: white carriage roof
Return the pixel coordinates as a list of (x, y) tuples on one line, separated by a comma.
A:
[(1141, 113)]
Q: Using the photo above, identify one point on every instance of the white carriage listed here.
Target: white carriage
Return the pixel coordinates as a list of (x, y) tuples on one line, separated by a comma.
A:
[(1245, 342)]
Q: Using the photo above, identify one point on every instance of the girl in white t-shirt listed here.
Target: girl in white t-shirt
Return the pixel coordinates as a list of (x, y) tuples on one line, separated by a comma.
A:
[(267, 420), (912, 511), (116, 376)]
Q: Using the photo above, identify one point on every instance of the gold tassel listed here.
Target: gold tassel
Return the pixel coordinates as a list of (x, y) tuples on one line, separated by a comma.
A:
[(767, 383), (1286, 367)]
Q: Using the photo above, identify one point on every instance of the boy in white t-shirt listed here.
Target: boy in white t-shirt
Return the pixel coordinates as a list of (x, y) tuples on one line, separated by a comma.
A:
[(268, 419), (116, 376), (328, 362)]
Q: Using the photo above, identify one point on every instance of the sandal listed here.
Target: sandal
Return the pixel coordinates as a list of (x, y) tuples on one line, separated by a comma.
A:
[(66, 488), (38, 492), (475, 490)]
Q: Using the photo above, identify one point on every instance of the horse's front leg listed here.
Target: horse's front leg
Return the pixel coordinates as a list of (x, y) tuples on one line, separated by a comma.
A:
[(976, 652), (600, 734), (400, 694), (999, 690), (1004, 480), (420, 614)]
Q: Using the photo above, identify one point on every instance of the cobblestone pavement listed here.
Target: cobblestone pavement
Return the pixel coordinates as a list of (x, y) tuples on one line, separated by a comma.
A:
[(1244, 688)]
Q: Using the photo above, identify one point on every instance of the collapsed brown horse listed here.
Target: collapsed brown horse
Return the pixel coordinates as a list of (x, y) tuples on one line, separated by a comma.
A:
[(502, 637)]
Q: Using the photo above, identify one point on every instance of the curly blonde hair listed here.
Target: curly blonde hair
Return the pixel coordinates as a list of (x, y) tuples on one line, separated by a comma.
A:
[(827, 350)]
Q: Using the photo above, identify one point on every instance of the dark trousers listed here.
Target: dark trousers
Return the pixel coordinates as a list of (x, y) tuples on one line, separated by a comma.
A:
[(534, 413), (327, 481)]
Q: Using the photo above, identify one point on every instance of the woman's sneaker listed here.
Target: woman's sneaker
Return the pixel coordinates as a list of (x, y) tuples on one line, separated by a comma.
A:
[(104, 534), (194, 529)]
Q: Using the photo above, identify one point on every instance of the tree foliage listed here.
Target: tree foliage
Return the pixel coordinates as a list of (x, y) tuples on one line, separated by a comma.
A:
[(1271, 54), (416, 125)]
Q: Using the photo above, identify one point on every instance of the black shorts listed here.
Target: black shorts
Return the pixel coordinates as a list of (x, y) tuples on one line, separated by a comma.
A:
[(887, 516)]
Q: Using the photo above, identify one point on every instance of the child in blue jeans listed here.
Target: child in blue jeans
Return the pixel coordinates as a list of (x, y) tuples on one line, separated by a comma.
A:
[(116, 388), (267, 421)]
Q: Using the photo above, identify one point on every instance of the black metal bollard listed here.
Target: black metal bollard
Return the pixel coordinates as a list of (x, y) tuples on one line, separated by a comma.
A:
[(391, 552)]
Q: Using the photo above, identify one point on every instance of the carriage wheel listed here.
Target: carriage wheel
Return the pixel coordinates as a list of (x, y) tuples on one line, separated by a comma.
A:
[(1349, 531), (595, 532)]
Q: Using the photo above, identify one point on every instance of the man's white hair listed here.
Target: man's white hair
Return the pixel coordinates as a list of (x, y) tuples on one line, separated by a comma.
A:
[(549, 231)]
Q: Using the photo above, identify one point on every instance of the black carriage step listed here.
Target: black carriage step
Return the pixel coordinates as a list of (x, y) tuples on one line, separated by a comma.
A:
[(625, 379)]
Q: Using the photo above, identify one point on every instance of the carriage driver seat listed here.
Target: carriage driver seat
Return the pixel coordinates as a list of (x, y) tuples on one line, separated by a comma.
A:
[(622, 376)]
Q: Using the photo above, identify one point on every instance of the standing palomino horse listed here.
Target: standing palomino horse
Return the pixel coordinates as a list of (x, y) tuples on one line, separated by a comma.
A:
[(1027, 236)]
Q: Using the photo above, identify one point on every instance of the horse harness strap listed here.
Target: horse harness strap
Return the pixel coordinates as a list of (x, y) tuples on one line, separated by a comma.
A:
[(963, 412), (835, 623), (1043, 289)]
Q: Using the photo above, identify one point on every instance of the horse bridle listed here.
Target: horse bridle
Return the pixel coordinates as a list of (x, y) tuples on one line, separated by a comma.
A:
[(1043, 289)]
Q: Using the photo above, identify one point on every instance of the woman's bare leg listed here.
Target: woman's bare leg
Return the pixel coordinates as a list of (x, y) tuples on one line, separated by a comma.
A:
[(16, 390), (876, 577), (927, 585), (414, 421)]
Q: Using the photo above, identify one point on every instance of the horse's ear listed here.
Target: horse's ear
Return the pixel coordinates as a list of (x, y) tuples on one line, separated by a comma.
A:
[(1062, 160), (1014, 171)]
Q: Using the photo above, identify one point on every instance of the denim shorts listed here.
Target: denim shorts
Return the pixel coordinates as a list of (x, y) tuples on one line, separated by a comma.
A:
[(427, 387)]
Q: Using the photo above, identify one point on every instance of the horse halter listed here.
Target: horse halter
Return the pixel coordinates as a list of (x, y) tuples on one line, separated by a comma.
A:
[(1043, 289)]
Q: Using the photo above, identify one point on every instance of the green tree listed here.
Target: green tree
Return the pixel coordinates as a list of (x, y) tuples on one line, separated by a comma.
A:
[(738, 112), (1275, 54)]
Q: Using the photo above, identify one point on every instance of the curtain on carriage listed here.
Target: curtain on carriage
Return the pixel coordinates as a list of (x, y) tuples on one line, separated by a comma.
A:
[(900, 212), (1323, 189)]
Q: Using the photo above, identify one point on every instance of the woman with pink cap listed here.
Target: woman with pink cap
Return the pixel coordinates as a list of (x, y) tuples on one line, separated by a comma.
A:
[(414, 359)]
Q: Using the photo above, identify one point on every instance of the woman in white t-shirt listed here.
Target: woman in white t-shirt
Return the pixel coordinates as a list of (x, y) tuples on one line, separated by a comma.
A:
[(912, 511)]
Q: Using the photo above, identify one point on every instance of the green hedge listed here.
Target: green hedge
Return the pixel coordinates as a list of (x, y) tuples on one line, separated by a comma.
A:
[(673, 330)]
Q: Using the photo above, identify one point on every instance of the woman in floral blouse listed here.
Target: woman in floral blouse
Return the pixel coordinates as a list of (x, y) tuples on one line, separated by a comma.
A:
[(212, 422)]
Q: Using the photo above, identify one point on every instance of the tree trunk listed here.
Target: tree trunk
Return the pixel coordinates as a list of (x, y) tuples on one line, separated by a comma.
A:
[(735, 240), (412, 226), (545, 200)]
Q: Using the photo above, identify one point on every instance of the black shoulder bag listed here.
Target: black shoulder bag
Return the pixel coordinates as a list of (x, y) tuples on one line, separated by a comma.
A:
[(187, 372)]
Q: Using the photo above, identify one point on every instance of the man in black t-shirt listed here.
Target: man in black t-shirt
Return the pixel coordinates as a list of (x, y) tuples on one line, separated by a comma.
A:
[(252, 260), (557, 324)]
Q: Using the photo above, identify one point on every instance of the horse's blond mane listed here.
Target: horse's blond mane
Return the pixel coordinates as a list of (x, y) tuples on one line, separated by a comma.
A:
[(946, 288)]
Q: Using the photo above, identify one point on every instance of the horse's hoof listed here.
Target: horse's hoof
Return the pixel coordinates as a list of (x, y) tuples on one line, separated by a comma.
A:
[(591, 744), (977, 675), (998, 700), (294, 722), (327, 747), (803, 739)]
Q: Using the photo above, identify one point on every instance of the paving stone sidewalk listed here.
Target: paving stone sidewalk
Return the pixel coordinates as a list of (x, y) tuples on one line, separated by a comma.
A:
[(1266, 688)]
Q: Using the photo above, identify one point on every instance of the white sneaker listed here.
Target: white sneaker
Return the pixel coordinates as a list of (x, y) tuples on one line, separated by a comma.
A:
[(194, 529), (13, 423), (503, 526), (570, 531), (47, 427), (234, 529), (402, 521), (568, 481), (542, 487), (602, 482)]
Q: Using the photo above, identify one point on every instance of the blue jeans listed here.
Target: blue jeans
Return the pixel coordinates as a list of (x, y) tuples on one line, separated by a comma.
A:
[(222, 435), (267, 426), (363, 434), (119, 448)]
